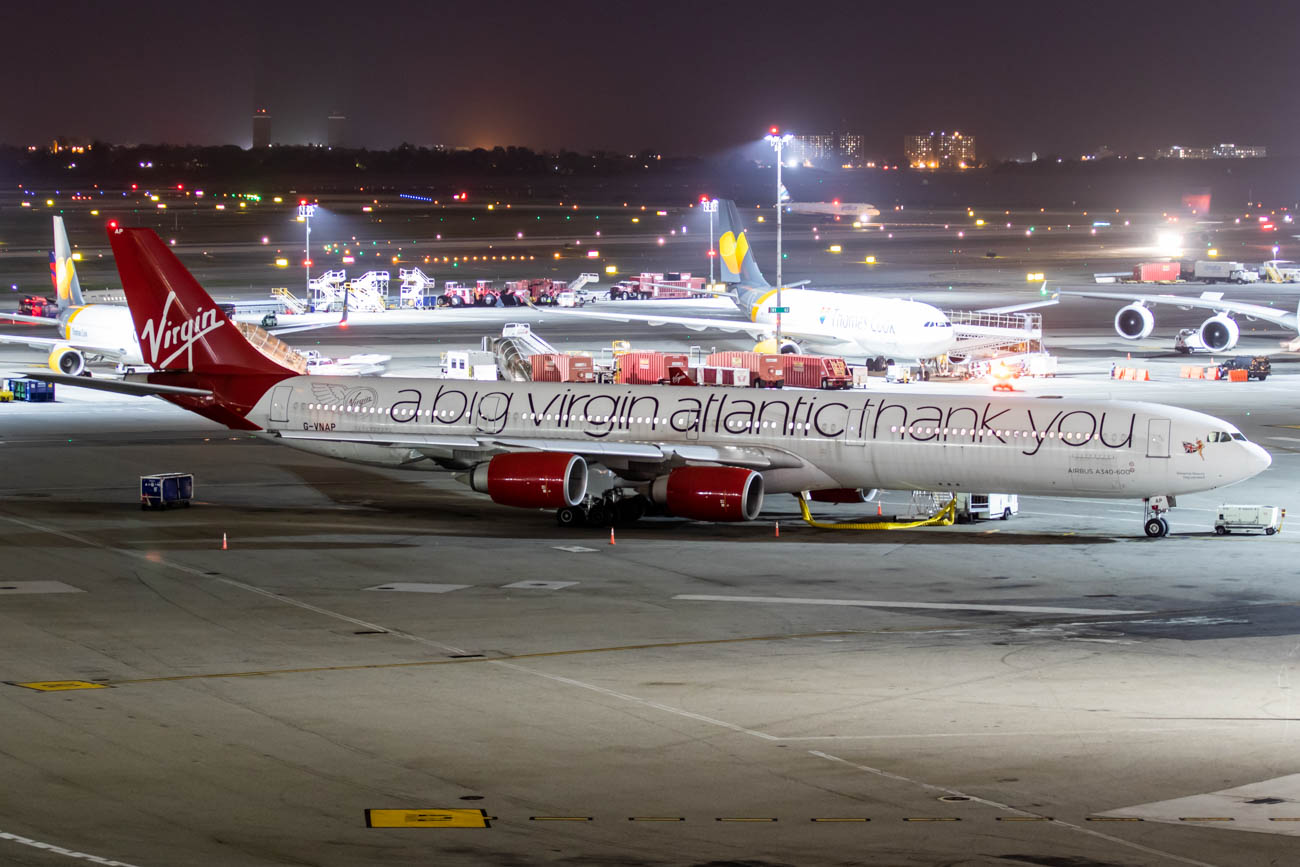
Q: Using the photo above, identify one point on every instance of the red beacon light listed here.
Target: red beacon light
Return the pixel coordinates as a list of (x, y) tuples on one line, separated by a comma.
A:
[(774, 130), (112, 224)]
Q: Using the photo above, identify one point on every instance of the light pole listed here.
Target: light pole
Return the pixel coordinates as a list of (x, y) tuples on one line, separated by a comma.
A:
[(778, 141), (710, 207), (305, 213)]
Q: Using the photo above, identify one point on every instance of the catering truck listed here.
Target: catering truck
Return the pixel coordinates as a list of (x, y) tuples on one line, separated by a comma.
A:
[(1211, 271)]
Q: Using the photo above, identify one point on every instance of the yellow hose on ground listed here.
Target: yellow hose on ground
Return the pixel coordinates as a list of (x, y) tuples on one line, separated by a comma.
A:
[(945, 517)]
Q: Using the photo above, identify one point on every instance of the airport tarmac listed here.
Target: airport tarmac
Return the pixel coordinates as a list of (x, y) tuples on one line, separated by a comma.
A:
[(1055, 689), (314, 640)]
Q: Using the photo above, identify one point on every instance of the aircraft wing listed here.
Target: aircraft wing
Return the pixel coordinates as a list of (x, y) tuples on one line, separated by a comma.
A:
[(139, 388), (1188, 302), (48, 343), (756, 330), (35, 320), (753, 457)]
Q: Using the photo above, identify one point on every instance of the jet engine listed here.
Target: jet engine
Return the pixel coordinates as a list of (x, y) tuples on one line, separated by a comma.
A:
[(532, 480), (1220, 333), (1134, 322), (65, 359), (710, 493), (789, 347), (843, 495)]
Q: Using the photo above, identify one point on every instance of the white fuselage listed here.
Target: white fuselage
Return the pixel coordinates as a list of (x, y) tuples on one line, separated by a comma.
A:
[(103, 325), (810, 439), (859, 325)]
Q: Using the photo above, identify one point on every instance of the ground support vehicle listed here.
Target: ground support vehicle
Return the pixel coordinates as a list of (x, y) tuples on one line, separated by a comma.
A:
[(166, 490), (1265, 519)]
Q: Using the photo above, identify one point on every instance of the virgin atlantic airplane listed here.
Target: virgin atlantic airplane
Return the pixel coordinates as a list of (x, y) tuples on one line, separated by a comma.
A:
[(708, 454)]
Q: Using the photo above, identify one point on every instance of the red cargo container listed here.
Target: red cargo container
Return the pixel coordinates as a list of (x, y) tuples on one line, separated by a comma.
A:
[(816, 371), (711, 374), (558, 367), (1157, 272), (765, 371), (647, 368)]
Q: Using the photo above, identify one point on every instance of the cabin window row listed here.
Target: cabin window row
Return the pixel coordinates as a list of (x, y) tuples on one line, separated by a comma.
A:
[(1072, 436)]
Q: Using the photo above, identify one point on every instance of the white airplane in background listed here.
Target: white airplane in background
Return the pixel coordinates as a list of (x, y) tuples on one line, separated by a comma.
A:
[(88, 332), (700, 453), (858, 326), (1219, 333), (104, 332)]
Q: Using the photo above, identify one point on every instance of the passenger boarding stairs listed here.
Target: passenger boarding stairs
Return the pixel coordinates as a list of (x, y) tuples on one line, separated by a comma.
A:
[(292, 303), (513, 348), (986, 333), (326, 291), (369, 292), (416, 286), (581, 281)]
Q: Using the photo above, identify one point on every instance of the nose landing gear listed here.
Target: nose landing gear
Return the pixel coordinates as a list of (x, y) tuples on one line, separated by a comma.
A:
[(1154, 510)]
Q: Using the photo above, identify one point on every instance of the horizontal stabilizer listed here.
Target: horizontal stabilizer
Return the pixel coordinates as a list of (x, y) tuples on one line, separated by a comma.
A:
[(121, 386)]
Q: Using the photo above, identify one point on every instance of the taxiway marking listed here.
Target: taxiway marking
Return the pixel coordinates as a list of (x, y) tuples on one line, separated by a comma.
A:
[(929, 606)]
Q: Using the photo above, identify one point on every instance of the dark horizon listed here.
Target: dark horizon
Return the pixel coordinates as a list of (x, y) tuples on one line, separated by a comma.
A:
[(681, 78)]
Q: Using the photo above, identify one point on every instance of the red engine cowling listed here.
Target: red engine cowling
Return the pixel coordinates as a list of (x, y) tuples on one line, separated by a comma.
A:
[(842, 495), (532, 480), (710, 493)]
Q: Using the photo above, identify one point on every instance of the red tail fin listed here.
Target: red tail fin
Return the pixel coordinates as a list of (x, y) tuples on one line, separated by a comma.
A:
[(179, 325), (678, 376)]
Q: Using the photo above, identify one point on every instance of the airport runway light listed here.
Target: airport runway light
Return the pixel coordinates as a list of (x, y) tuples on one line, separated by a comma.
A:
[(1169, 244), (710, 207), (778, 140), (305, 213)]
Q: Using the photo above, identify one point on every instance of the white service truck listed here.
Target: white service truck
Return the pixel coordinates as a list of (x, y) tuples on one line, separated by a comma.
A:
[(1265, 519), (1214, 271), (972, 507)]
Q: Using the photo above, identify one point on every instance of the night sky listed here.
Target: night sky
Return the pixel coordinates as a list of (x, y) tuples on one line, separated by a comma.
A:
[(682, 77)]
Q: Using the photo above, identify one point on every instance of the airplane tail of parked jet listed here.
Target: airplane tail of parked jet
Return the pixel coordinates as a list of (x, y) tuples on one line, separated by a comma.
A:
[(737, 257), (63, 271), (180, 327)]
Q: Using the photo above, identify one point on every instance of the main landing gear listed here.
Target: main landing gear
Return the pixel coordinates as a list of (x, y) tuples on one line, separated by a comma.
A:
[(614, 507), (1154, 510)]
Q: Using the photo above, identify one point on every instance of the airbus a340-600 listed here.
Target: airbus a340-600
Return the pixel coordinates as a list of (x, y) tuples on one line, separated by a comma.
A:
[(701, 453)]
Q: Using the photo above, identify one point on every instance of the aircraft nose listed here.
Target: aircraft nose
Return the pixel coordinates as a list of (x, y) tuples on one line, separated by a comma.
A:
[(1257, 459)]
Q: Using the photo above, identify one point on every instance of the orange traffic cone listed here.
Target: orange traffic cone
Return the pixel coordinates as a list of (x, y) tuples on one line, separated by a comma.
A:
[(611, 536), (879, 511), (776, 526), (1129, 356), (223, 541)]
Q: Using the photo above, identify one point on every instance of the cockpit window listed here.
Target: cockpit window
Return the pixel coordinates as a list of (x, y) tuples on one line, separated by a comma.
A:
[(1220, 436), (1237, 436)]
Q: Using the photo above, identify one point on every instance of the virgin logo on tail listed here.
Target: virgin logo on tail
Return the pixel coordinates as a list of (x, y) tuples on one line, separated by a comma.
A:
[(177, 337)]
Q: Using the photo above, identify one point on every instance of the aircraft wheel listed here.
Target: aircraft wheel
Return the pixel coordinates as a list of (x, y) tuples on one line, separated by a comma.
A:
[(570, 516), (1156, 527)]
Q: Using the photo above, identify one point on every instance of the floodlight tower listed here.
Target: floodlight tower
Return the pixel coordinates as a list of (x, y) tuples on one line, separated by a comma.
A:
[(305, 212), (778, 140), (710, 207)]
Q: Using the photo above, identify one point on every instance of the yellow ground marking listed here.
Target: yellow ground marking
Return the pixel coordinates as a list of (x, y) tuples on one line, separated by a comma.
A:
[(1023, 818), (1113, 819), (60, 685), (840, 819), (656, 818), (1206, 819), (933, 819), (435, 818), (559, 818), (746, 819), (514, 657)]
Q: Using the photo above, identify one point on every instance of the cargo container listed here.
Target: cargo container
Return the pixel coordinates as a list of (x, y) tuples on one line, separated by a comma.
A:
[(31, 390), (710, 374), (1157, 272), (765, 371), (648, 368), (558, 367), (815, 371), (165, 490)]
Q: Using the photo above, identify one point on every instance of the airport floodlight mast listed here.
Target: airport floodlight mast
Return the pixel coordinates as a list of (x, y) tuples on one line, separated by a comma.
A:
[(305, 213), (778, 141), (710, 207)]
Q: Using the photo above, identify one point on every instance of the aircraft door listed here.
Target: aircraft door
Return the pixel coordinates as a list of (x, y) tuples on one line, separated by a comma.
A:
[(1158, 438), (280, 403)]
